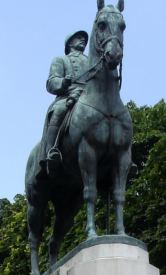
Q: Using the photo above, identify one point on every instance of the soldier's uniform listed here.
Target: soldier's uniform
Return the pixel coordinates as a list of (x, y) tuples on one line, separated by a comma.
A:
[(74, 64)]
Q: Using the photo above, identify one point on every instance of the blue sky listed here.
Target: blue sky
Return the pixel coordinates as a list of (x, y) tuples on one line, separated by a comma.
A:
[(32, 33)]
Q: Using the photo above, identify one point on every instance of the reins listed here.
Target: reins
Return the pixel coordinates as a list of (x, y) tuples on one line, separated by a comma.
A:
[(90, 74)]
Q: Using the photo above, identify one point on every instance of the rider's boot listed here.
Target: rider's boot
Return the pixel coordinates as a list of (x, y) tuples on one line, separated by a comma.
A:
[(54, 157)]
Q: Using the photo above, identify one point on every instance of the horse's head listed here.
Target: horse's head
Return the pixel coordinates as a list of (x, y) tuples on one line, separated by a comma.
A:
[(108, 33)]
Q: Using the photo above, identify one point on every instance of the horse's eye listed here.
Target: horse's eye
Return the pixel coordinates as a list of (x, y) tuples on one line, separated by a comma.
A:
[(102, 26)]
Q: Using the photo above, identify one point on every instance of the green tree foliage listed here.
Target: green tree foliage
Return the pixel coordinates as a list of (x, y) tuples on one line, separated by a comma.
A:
[(146, 197), (145, 210), (14, 250)]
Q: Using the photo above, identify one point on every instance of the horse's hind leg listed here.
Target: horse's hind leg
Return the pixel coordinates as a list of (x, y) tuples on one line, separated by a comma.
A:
[(88, 164), (66, 209), (35, 225), (119, 178)]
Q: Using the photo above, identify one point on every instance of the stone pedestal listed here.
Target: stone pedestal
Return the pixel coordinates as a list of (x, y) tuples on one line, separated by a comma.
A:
[(97, 258)]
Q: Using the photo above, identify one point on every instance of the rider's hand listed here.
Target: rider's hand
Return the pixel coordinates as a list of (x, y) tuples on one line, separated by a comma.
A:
[(70, 102), (67, 81)]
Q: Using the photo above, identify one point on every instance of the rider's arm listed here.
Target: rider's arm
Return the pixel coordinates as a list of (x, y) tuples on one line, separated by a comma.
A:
[(55, 82)]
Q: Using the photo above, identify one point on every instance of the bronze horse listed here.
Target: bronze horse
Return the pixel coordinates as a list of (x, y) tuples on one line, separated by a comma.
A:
[(96, 149)]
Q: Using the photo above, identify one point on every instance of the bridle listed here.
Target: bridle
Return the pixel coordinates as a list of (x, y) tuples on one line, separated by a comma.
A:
[(100, 49), (90, 74), (101, 45)]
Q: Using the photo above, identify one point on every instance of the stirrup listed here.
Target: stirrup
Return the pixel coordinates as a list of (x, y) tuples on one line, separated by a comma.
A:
[(53, 161), (54, 154)]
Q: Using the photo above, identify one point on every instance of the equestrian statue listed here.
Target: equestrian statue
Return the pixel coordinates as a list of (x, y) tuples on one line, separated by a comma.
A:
[(87, 137)]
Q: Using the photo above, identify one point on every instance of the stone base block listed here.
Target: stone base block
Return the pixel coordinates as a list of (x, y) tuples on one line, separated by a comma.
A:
[(107, 259)]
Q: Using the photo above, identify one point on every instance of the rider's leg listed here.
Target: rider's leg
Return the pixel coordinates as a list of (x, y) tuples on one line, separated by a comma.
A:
[(52, 132), (46, 158), (53, 154), (54, 123)]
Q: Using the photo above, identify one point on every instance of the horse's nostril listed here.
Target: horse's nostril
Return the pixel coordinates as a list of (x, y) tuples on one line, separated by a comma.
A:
[(113, 57), (109, 54), (119, 56)]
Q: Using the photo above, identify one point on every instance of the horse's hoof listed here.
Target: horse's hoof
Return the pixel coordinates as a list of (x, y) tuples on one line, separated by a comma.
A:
[(92, 235), (53, 261)]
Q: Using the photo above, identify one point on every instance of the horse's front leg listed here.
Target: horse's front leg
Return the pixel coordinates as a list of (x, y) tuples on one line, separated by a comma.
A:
[(88, 167), (120, 172)]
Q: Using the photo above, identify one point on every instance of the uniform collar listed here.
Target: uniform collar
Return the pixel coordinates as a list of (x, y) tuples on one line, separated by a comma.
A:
[(75, 54)]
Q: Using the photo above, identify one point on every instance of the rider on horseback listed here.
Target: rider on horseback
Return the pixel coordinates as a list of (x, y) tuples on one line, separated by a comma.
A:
[(63, 81)]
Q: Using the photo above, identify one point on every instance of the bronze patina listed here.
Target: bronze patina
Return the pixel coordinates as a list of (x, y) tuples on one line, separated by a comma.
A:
[(95, 143)]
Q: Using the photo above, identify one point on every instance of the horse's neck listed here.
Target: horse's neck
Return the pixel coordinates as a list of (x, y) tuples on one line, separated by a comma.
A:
[(103, 89)]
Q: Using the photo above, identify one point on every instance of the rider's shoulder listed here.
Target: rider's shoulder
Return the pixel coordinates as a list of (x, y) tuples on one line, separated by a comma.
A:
[(57, 59)]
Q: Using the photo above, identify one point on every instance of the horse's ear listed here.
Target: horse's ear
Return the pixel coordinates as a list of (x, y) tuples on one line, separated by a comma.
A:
[(120, 5), (100, 4)]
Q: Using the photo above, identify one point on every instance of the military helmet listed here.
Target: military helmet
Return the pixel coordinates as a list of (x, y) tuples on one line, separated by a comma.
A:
[(70, 37)]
